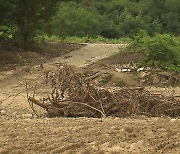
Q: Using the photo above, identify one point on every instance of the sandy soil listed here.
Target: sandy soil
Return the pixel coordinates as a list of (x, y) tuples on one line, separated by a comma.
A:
[(86, 136), (22, 132)]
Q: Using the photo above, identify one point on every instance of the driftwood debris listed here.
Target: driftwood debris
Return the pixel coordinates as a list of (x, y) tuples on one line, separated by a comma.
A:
[(74, 95)]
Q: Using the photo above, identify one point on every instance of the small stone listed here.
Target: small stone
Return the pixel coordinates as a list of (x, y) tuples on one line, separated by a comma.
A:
[(126, 70), (2, 112), (115, 149), (27, 115), (118, 70), (140, 69), (173, 120)]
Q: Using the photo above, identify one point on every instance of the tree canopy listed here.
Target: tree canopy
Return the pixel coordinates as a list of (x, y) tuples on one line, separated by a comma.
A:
[(23, 20), (118, 18)]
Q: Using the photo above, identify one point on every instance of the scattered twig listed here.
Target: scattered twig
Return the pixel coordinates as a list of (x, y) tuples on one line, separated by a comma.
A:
[(30, 103)]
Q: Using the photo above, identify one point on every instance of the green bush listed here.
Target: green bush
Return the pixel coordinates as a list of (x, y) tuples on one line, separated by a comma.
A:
[(46, 38), (74, 20), (161, 50), (21, 21), (98, 39), (6, 33)]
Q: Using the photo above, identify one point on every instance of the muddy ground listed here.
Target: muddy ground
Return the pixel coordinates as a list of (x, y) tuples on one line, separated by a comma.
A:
[(22, 132)]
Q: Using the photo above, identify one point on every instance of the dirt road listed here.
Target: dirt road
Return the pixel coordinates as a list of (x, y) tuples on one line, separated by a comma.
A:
[(88, 54), (21, 132)]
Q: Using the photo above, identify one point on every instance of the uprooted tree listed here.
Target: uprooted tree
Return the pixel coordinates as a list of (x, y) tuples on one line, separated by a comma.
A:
[(75, 95)]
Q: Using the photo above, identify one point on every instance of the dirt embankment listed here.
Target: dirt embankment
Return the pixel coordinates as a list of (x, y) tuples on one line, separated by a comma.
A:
[(12, 58)]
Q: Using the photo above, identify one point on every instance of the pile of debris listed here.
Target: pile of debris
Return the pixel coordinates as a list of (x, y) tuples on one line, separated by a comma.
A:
[(150, 76), (75, 95)]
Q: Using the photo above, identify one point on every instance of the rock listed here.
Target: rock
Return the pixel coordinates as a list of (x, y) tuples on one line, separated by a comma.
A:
[(140, 69), (126, 70), (174, 120), (115, 149), (27, 115), (2, 112), (118, 70), (148, 68)]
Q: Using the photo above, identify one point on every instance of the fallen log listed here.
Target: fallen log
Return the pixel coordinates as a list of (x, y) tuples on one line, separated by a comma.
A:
[(33, 100), (60, 105)]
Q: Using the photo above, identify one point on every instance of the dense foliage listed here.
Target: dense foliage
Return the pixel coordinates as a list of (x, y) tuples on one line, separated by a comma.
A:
[(161, 50), (117, 18), (22, 20)]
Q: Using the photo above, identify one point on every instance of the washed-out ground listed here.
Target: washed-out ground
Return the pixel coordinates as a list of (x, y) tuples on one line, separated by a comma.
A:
[(22, 132), (88, 135)]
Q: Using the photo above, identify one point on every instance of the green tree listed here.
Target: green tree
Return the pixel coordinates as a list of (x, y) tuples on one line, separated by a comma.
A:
[(27, 18), (74, 20)]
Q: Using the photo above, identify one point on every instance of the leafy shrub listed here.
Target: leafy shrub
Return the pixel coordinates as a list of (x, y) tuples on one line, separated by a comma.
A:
[(98, 39), (161, 50), (73, 20), (6, 33), (46, 38)]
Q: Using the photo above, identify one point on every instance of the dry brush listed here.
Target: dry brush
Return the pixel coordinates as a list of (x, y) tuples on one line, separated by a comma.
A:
[(75, 95)]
